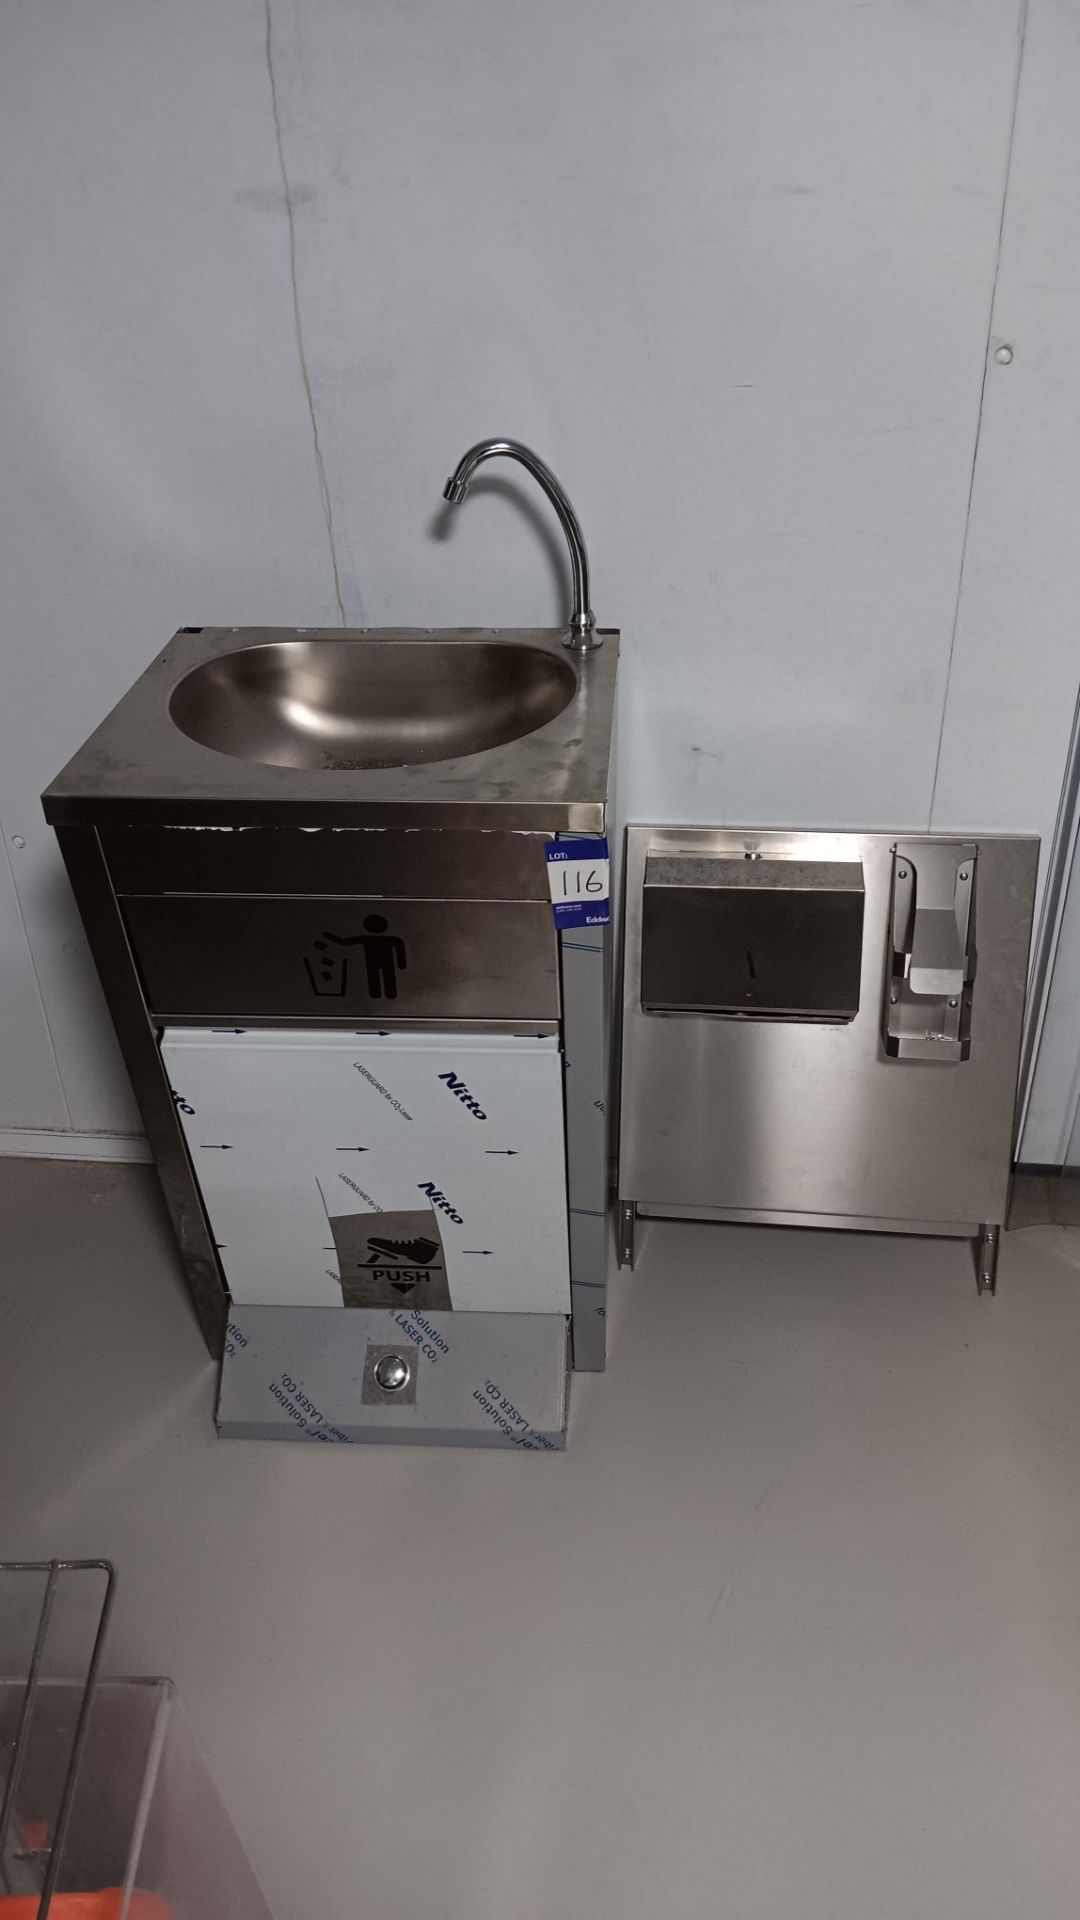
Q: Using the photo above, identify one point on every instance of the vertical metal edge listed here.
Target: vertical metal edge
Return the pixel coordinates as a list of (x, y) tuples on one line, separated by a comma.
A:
[(26, 1711), (617, 849), (146, 1797), (1059, 866), (587, 1004), (82, 1724), (987, 1247), (635, 851), (137, 1035)]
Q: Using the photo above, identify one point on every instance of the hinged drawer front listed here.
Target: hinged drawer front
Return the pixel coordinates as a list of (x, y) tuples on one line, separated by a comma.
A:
[(364, 1170), (446, 863), (332, 958)]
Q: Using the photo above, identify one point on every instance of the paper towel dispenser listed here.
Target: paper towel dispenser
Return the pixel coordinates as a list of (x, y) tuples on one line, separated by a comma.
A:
[(756, 934)]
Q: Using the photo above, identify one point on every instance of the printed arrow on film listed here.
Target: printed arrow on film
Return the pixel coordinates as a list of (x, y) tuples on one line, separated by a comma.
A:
[(228, 1029), (510, 1150), (477, 1249), (214, 1146), (352, 1149)]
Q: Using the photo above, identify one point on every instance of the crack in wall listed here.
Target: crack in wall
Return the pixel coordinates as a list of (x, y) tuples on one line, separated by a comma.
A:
[(320, 464), (1021, 40)]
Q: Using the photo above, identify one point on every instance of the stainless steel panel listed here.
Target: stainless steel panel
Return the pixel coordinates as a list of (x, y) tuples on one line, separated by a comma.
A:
[(450, 959), (397, 862), (752, 935), (778, 1217), (771, 1117), (361, 1023), (587, 956), (142, 1056)]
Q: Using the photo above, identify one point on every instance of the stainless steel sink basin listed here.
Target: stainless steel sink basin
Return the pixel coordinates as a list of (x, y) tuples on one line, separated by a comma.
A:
[(350, 705), (464, 727)]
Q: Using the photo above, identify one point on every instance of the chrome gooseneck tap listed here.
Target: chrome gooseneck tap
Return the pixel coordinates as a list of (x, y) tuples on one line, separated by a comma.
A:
[(581, 631)]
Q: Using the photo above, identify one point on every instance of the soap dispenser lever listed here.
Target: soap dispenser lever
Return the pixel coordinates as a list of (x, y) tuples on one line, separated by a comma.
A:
[(932, 959)]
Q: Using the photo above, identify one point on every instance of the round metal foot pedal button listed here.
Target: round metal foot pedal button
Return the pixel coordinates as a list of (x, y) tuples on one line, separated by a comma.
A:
[(392, 1372)]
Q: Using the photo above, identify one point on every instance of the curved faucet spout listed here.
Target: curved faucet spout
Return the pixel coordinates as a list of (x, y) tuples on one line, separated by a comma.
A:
[(582, 627)]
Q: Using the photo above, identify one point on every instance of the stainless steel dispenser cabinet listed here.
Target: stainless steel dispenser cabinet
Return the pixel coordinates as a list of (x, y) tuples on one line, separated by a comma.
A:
[(823, 1029)]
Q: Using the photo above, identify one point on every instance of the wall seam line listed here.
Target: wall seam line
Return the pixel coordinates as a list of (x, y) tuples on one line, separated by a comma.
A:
[(1021, 39), (298, 327)]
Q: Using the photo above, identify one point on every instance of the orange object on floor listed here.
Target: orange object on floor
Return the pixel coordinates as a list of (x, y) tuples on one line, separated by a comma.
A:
[(107, 1905)]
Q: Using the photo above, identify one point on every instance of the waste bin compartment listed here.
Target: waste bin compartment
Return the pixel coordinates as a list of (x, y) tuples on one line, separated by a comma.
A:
[(382, 1169), (216, 955)]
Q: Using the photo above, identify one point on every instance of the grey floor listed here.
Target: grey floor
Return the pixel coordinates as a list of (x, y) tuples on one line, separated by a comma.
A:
[(792, 1632)]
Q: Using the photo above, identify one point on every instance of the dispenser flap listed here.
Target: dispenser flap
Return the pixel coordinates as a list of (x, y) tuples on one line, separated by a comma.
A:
[(753, 934)]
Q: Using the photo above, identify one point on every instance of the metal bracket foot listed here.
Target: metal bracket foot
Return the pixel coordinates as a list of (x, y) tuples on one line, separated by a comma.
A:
[(986, 1259), (627, 1214)]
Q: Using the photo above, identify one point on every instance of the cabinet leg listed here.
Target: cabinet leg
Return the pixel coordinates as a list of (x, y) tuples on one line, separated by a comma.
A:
[(626, 1233), (986, 1259)]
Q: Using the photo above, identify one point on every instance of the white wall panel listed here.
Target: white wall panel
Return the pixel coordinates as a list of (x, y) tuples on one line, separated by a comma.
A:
[(733, 278), (728, 266), (157, 460), (1016, 665), (30, 1090)]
